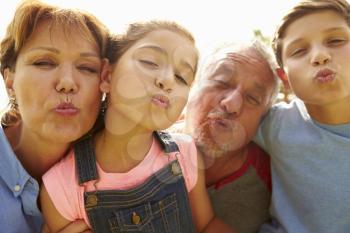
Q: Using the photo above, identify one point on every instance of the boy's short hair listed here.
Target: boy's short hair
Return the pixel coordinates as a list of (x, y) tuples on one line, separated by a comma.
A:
[(303, 8)]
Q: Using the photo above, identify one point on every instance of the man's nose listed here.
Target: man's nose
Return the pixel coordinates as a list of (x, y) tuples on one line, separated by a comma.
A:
[(232, 102), (66, 80)]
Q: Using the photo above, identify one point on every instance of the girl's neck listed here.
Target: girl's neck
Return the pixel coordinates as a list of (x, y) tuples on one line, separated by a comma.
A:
[(35, 154), (118, 153)]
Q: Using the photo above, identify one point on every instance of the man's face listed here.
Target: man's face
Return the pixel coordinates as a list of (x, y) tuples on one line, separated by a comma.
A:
[(224, 113)]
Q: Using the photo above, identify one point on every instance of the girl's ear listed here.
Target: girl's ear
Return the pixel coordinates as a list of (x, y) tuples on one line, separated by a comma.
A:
[(105, 76), (283, 77), (8, 78)]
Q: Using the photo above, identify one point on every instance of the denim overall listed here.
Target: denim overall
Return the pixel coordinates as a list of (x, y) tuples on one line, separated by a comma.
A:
[(159, 205)]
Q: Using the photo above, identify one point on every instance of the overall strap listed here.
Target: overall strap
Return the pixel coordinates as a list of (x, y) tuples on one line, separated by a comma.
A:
[(168, 144), (85, 160)]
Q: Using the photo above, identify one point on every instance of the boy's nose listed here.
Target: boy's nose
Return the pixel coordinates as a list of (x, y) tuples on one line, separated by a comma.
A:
[(320, 56)]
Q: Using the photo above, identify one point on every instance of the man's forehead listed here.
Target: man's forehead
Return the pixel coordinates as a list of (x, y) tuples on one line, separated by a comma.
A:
[(228, 62), (222, 66), (244, 58)]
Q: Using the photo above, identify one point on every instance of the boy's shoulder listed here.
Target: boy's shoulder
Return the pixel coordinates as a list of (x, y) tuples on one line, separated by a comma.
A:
[(293, 108)]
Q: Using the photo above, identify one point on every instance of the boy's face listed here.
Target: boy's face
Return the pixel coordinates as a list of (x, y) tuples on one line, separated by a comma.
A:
[(316, 57)]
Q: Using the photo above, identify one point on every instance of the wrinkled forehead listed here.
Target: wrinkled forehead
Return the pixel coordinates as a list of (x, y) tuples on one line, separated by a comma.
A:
[(242, 58)]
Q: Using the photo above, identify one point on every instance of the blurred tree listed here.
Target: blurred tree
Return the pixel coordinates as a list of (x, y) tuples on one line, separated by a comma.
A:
[(285, 94)]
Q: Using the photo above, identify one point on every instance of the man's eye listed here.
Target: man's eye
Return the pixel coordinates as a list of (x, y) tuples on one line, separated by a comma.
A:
[(220, 83), (253, 100)]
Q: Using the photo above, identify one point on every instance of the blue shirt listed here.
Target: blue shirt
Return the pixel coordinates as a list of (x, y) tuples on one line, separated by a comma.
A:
[(310, 168), (19, 192)]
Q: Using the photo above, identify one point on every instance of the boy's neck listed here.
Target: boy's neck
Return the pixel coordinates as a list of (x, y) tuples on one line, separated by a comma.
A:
[(332, 114)]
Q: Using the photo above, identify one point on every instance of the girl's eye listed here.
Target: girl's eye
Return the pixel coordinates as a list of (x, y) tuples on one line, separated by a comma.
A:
[(149, 64), (181, 79)]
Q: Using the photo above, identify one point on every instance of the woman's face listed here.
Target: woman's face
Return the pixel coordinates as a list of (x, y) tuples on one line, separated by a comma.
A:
[(56, 84)]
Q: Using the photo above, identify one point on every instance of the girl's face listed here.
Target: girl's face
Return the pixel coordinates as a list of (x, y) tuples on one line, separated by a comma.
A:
[(150, 83), (56, 84)]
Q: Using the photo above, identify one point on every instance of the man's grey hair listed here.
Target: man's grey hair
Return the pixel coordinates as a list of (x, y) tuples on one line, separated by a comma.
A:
[(208, 64)]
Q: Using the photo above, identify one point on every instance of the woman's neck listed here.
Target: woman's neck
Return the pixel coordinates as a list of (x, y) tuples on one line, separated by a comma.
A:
[(35, 154)]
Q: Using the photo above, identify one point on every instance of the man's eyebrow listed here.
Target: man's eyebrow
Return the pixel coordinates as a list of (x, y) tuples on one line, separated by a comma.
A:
[(260, 88)]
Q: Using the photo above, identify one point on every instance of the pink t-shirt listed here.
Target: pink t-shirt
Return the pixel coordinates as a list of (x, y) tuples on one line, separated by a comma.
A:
[(67, 195)]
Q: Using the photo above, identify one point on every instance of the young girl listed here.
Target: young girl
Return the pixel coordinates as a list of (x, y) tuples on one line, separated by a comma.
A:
[(130, 177)]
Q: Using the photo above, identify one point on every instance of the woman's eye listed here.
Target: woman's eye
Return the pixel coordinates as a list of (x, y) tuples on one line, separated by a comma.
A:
[(181, 79), (149, 64), (88, 69), (44, 63)]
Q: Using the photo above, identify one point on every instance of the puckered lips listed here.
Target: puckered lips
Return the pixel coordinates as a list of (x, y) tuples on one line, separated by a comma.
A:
[(66, 109), (160, 100), (324, 76)]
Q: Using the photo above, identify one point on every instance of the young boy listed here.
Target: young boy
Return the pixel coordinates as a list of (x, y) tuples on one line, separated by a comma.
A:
[(309, 139)]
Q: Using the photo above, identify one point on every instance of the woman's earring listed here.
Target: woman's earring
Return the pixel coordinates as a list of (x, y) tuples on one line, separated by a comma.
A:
[(104, 104), (13, 102)]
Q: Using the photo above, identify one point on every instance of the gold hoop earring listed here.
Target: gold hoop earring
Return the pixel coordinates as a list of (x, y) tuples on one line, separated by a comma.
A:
[(13, 102)]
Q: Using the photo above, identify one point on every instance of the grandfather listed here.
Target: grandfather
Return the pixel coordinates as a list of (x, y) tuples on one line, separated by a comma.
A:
[(235, 88)]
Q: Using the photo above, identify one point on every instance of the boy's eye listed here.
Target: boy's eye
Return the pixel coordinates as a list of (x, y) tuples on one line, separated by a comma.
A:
[(149, 64), (297, 52), (336, 41), (181, 79)]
